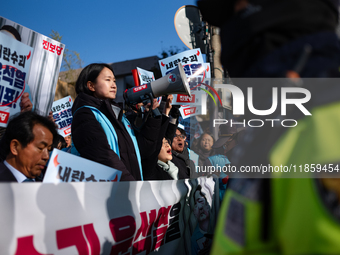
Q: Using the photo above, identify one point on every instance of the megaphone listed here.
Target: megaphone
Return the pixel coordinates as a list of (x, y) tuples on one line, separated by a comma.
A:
[(174, 82)]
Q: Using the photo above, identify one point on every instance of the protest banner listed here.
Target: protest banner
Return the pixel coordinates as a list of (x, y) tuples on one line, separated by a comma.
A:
[(108, 218), (191, 60), (62, 115), (198, 74), (46, 61), (15, 60), (66, 167)]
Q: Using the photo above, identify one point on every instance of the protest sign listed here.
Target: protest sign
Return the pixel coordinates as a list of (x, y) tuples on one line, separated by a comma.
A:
[(66, 167), (46, 61), (198, 74), (62, 115), (15, 60), (146, 77), (107, 218), (191, 60)]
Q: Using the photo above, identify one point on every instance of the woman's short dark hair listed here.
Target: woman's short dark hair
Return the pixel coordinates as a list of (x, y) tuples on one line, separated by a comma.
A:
[(12, 30), (89, 73), (20, 127), (59, 139)]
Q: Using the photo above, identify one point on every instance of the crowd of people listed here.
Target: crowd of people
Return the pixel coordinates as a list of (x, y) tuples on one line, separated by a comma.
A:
[(259, 38), (102, 131)]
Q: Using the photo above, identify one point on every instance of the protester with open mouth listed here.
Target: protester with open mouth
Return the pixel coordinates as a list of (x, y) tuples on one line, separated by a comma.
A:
[(164, 169), (181, 154)]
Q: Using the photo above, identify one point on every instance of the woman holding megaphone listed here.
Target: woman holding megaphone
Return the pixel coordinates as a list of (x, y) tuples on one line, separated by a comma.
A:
[(100, 130)]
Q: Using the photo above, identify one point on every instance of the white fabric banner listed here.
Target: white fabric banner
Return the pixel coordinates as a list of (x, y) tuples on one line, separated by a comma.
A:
[(106, 218)]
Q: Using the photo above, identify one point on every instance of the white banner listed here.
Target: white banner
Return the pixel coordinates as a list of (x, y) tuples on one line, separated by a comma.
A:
[(66, 167), (199, 75), (190, 111), (45, 66), (62, 115), (146, 77), (15, 60), (107, 218), (191, 60)]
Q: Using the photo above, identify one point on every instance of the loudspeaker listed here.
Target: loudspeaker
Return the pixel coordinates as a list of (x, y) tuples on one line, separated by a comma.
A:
[(174, 82)]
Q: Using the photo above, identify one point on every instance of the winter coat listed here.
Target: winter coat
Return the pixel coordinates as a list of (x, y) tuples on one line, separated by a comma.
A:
[(91, 142), (185, 165)]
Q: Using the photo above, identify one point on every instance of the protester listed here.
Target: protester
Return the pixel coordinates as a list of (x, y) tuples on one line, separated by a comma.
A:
[(282, 38), (159, 165), (26, 145), (164, 169), (68, 142), (60, 142), (101, 132), (204, 147), (180, 153), (228, 139)]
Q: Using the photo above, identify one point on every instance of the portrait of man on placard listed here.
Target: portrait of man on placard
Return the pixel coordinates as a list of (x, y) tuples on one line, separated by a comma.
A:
[(201, 238)]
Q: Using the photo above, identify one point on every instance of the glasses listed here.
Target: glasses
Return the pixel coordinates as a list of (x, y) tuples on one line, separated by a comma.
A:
[(179, 136), (166, 143)]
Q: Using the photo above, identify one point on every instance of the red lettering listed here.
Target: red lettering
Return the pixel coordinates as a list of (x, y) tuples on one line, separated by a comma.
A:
[(189, 111), (185, 99), (25, 246), (139, 88), (67, 131), (122, 228), (92, 238), (145, 228), (4, 117), (142, 245), (158, 237), (162, 218), (72, 236)]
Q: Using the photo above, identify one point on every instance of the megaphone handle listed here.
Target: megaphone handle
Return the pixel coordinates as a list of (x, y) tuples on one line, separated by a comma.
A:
[(156, 112)]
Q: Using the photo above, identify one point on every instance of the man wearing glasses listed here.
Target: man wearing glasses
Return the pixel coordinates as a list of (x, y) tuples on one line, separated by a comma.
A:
[(180, 153)]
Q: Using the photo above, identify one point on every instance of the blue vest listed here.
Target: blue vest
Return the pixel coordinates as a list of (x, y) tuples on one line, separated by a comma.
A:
[(111, 134)]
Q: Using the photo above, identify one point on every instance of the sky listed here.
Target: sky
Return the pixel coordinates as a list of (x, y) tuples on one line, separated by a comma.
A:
[(103, 31)]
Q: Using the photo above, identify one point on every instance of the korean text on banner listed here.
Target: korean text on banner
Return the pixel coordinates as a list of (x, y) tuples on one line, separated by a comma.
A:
[(62, 115), (197, 72), (46, 61), (108, 218), (15, 60), (66, 167)]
